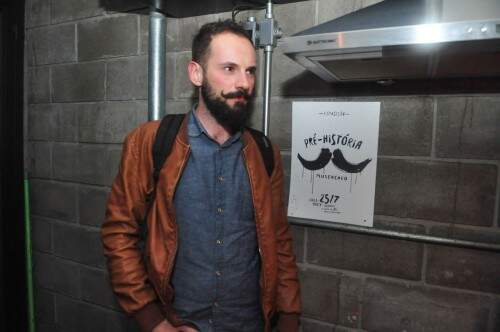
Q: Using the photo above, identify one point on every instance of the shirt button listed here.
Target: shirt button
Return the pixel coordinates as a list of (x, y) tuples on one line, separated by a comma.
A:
[(210, 321), (218, 273), (221, 178), (219, 242), (216, 304), (220, 210)]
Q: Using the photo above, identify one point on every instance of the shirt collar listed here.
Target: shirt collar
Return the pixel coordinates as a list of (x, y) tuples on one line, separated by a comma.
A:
[(195, 128)]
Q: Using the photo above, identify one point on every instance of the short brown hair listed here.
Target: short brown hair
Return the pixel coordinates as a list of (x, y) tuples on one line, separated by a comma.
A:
[(202, 40)]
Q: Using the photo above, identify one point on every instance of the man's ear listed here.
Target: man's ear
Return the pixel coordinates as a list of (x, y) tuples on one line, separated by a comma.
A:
[(195, 72)]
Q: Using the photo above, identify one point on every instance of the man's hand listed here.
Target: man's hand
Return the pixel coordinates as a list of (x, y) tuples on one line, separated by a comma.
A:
[(167, 327)]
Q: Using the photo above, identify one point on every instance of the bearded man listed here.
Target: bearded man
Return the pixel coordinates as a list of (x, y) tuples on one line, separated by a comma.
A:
[(218, 254)]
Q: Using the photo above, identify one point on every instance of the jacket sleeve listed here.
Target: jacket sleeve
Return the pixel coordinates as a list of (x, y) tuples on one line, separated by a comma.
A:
[(120, 232), (288, 295)]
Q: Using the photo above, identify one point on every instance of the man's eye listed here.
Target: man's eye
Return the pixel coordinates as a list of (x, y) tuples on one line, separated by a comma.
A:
[(229, 68)]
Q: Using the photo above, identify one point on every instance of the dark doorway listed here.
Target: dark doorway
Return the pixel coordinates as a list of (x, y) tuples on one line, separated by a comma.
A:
[(12, 259)]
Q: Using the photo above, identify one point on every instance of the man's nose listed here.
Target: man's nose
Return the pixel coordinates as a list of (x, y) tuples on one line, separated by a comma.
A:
[(244, 81)]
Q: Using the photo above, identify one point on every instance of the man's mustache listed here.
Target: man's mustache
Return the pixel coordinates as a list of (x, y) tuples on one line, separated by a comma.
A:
[(237, 94)]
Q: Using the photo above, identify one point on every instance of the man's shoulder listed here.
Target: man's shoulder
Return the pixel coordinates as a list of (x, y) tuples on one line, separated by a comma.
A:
[(144, 131)]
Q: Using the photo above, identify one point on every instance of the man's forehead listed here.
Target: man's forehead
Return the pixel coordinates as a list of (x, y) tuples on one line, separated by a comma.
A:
[(229, 47)]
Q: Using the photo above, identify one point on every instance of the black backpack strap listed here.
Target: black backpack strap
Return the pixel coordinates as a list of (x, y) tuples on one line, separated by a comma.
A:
[(164, 140), (266, 149)]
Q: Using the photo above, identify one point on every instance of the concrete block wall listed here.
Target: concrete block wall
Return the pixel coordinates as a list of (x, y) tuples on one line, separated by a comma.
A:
[(438, 174)]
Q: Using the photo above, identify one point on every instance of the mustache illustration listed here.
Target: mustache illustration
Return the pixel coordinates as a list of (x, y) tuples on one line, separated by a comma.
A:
[(319, 163), (338, 160), (236, 94)]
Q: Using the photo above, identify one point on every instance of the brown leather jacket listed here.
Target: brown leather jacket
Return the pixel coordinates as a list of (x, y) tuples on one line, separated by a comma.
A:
[(142, 283)]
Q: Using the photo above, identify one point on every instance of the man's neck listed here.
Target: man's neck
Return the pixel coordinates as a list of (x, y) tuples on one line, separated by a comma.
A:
[(217, 132)]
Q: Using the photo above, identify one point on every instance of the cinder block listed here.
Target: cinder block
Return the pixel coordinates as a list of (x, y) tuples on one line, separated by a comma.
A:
[(397, 307), (115, 154), (41, 122), (38, 85), (78, 82), (66, 161), (52, 44), (55, 122), (133, 71), (108, 37), (350, 299), (178, 106), (37, 13), (66, 116), (309, 325), (121, 6), (173, 74), (183, 88), (180, 32), (54, 200), (294, 17), (78, 244), (468, 127), (256, 116), (406, 126), (283, 70), (144, 34), (92, 205), (463, 268), (94, 164), (110, 122), (96, 288), (40, 158), (79, 316), (476, 194), (56, 274), (280, 126), (364, 253), (329, 10), (41, 234), (44, 306), (43, 267), (68, 10), (298, 241), (446, 192), (320, 295)]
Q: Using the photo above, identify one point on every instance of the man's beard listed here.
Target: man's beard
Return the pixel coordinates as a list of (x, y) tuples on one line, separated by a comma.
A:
[(233, 118)]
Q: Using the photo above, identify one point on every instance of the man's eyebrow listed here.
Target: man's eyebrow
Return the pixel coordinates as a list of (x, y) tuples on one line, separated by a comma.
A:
[(229, 63)]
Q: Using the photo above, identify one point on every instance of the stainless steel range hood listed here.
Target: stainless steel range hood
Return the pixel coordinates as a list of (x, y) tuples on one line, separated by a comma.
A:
[(403, 39)]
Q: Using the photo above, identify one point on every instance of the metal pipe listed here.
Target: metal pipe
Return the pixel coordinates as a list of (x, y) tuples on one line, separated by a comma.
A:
[(268, 51), (156, 68), (29, 258), (396, 234)]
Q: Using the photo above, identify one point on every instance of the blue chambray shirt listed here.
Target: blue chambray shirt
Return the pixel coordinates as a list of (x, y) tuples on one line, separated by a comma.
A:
[(217, 268)]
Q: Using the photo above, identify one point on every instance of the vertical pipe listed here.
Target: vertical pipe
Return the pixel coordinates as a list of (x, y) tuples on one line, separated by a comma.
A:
[(268, 51), (156, 67), (29, 260)]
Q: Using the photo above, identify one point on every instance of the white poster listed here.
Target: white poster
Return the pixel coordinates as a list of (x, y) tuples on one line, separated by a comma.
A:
[(334, 161)]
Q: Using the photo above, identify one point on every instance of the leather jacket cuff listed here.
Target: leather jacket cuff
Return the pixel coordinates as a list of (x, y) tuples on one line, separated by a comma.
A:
[(149, 317), (288, 322)]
